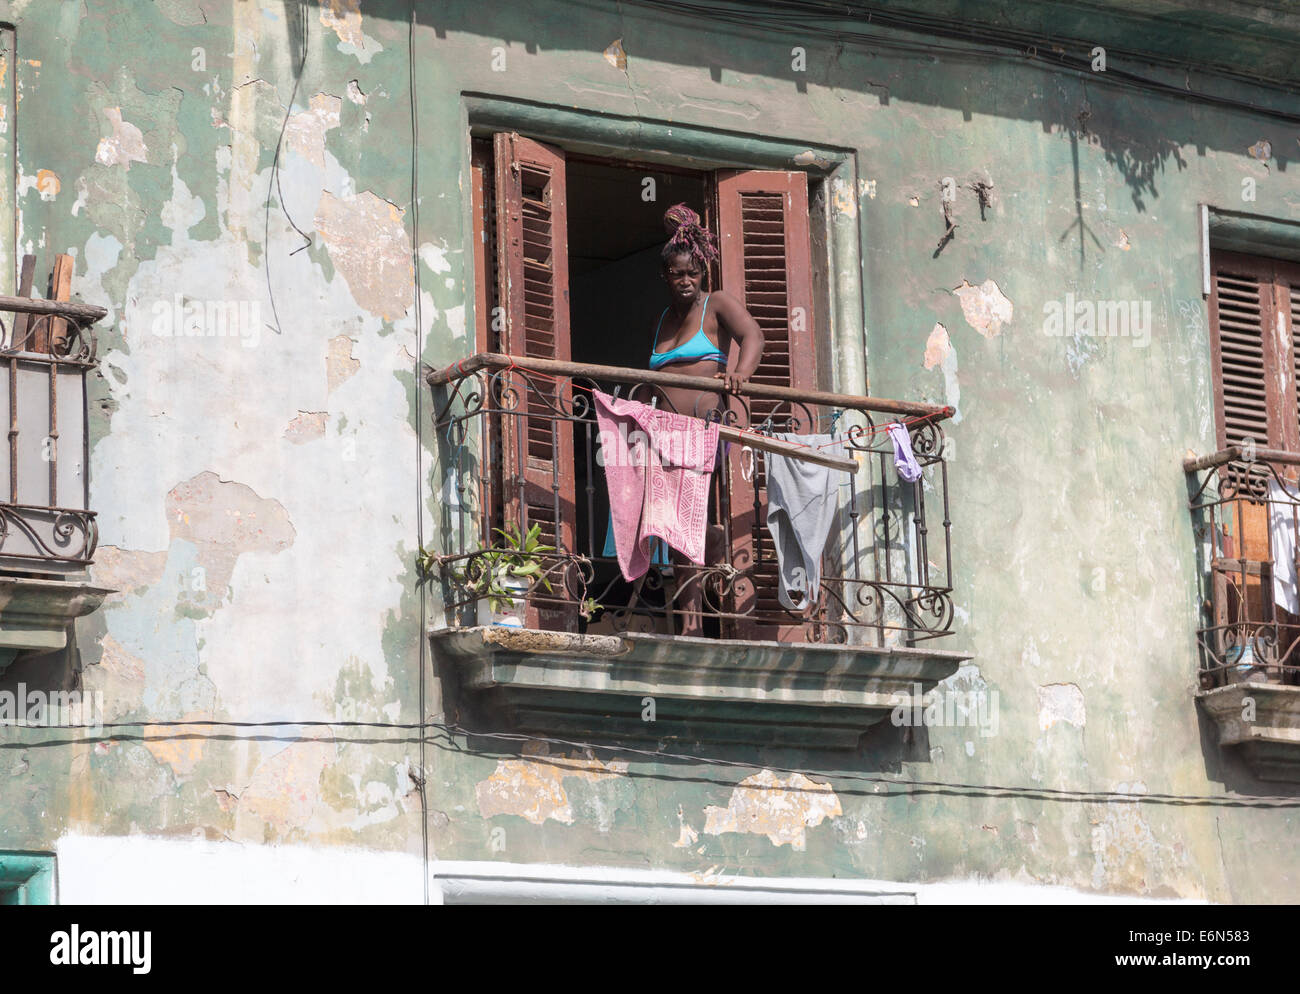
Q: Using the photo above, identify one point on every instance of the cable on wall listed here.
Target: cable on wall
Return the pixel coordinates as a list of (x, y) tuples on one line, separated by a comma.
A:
[(305, 24), (448, 743), (423, 775)]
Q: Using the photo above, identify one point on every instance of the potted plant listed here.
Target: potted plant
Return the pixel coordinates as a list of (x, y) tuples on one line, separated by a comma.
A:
[(503, 575)]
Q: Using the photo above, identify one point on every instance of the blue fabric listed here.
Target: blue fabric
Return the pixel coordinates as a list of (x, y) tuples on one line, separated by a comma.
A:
[(699, 347), (658, 549)]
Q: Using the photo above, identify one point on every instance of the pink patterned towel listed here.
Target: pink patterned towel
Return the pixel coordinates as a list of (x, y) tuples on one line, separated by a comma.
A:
[(657, 466)]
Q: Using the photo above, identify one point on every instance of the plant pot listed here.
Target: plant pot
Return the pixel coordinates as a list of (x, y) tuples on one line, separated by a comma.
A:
[(1242, 661), (509, 613)]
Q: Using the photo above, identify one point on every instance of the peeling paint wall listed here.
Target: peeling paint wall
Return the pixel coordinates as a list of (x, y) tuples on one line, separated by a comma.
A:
[(255, 436)]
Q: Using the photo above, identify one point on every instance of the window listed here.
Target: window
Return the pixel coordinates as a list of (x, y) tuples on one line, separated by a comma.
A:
[(1248, 497), (47, 529), (566, 247), (26, 878), (566, 259)]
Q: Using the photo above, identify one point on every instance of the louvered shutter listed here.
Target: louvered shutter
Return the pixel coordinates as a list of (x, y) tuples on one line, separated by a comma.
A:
[(1289, 294), (484, 244), (1255, 383), (766, 262), (533, 291)]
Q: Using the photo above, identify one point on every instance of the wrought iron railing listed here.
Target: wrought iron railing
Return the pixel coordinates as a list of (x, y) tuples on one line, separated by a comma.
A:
[(887, 569), (1245, 504), (46, 350)]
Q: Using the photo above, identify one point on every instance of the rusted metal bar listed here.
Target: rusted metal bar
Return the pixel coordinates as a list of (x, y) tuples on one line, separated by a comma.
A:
[(1236, 453), (624, 374), (53, 439), (13, 430), (80, 314)]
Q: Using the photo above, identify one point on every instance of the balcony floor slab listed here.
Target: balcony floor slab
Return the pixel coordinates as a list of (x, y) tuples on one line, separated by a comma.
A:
[(1262, 721), (703, 690), (35, 614)]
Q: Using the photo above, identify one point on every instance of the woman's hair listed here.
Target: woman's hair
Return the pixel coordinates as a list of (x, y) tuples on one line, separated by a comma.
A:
[(687, 236)]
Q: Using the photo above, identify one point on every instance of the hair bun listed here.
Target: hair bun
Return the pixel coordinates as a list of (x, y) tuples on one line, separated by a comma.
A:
[(678, 215), (686, 233)]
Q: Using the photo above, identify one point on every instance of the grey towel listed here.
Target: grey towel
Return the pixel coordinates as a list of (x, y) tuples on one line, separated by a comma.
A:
[(802, 500)]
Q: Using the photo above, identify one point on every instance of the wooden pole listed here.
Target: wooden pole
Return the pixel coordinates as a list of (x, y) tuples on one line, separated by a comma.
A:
[(60, 291), (782, 448)]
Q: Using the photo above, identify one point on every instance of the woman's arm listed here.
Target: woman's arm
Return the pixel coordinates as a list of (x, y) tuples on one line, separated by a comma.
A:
[(741, 326)]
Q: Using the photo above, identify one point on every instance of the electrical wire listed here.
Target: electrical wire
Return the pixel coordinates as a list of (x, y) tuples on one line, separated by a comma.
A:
[(419, 428), (305, 23), (451, 730)]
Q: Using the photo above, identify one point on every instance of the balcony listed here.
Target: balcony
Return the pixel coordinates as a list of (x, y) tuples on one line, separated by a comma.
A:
[(47, 530), (583, 649), (1245, 504)]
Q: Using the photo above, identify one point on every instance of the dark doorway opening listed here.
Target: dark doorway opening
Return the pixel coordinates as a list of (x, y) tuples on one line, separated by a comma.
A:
[(616, 232)]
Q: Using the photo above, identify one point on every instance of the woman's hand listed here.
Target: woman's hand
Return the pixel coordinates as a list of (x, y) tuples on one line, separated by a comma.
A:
[(741, 327), (731, 380)]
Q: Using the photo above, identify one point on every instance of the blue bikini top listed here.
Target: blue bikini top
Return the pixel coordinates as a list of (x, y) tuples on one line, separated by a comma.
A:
[(699, 347)]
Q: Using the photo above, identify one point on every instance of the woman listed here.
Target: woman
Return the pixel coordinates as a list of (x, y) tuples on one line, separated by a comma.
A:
[(693, 336)]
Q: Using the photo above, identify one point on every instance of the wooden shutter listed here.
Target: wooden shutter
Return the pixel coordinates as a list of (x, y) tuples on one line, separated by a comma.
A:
[(484, 245), (766, 262), (533, 290), (1290, 294), (1254, 361)]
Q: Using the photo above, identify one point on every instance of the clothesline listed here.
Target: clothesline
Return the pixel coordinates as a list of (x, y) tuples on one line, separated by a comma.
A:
[(868, 430)]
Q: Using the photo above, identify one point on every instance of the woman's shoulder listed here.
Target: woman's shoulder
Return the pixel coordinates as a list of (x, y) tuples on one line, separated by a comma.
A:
[(726, 305), (723, 298)]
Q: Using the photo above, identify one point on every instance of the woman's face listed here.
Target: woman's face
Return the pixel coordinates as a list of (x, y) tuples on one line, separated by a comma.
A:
[(684, 277)]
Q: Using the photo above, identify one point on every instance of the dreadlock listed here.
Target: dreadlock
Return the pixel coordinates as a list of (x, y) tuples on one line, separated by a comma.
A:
[(687, 236)]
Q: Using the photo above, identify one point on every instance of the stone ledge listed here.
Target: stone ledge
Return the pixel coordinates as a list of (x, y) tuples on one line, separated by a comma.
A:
[(1270, 743), (705, 690), (35, 614)]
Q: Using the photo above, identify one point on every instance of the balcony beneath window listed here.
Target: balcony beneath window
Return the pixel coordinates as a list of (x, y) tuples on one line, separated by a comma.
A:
[(47, 530), (584, 649), (1246, 510)]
